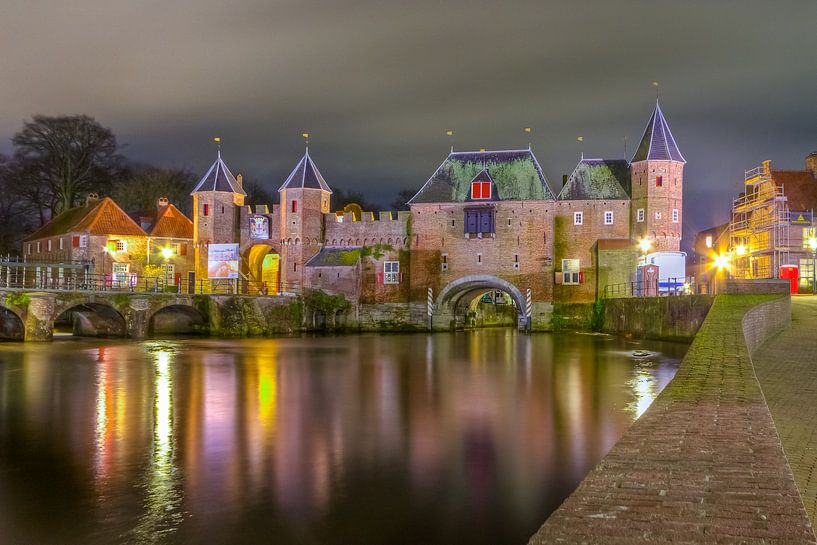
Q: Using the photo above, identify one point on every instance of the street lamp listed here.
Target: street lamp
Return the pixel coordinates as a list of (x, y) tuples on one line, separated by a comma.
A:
[(722, 261), (812, 243), (167, 252), (645, 244)]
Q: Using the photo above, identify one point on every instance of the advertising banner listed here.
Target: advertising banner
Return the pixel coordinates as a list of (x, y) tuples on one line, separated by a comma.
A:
[(222, 261), (800, 218)]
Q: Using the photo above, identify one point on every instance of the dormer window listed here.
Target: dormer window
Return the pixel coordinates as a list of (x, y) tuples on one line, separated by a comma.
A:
[(480, 190)]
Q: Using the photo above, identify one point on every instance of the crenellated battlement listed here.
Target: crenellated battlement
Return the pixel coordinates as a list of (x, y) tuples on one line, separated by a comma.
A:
[(383, 227)]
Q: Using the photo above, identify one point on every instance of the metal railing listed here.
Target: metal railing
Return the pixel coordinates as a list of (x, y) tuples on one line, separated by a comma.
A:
[(44, 280), (666, 287)]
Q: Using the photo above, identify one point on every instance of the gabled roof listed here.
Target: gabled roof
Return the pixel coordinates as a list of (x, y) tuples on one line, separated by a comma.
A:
[(598, 179), (335, 257), (95, 218), (800, 188), (171, 223), (657, 144), (305, 175), (516, 175), (219, 178)]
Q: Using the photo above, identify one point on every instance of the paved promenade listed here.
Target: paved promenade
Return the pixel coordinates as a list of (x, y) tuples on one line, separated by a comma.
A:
[(786, 367), (704, 464)]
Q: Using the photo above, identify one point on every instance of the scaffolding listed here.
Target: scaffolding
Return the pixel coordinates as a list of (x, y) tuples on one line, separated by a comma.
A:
[(759, 230)]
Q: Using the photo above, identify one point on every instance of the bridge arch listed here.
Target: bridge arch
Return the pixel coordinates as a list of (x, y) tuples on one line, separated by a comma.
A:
[(12, 326), (91, 319), (177, 319), (455, 298)]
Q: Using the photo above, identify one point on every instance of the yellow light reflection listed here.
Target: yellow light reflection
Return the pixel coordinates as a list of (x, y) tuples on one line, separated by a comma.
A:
[(644, 390)]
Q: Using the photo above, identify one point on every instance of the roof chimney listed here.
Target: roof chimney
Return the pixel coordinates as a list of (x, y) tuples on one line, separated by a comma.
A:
[(162, 203), (811, 163), (91, 199)]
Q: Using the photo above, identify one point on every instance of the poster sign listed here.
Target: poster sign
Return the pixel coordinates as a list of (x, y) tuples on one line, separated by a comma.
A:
[(259, 227), (800, 218), (222, 261)]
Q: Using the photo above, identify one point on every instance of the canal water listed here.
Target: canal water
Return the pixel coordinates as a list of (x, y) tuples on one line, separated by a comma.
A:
[(468, 437)]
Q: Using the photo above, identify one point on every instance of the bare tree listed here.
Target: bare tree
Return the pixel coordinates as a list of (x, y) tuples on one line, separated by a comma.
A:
[(14, 221), (67, 156), (138, 192)]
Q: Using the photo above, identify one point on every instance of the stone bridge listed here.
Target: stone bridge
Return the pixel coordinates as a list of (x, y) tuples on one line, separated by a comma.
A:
[(34, 315)]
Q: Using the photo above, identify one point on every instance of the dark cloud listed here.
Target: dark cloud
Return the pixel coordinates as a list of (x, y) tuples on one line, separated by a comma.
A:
[(377, 83)]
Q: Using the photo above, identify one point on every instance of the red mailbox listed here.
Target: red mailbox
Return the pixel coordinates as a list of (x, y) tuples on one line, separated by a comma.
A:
[(648, 280), (792, 274)]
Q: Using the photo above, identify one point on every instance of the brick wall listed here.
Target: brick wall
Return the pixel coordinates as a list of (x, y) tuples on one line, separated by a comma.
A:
[(764, 320), (665, 233)]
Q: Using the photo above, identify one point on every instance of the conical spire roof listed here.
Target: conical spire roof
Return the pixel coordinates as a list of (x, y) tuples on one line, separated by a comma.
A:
[(305, 176), (219, 178), (657, 144)]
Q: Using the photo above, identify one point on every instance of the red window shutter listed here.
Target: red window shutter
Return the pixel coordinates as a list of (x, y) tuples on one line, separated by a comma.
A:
[(486, 190), (475, 190), (206, 209), (581, 278), (183, 248), (294, 206), (380, 278), (74, 241), (177, 277), (659, 181)]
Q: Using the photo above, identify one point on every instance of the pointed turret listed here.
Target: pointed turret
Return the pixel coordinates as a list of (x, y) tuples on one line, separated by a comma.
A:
[(219, 178), (657, 144), (305, 175), (657, 186)]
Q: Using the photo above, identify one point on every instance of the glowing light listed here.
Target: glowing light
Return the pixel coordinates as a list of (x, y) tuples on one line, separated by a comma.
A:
[(740, 249), (167, 252), (812, 243), (722, 261), (645, 244)]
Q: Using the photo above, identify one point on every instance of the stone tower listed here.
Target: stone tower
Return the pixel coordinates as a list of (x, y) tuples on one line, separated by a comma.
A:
[(657, 177), (304, 201), (217, 199)]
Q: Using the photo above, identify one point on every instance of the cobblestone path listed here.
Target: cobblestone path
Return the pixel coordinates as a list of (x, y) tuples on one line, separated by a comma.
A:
[(786, 367), (703, 465)]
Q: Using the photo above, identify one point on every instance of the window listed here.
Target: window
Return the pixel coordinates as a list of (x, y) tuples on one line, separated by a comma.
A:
[(206, 209), (168, 271), (294, 206), (479, 221), (709, 241), (570, 271), (658, 215), (62, 243), (640, 215), (481, 190), (121, 246), (48, 245), (83, 241), (29, 248), (659, 181), (578, 218), (39, 247), (479, 258), (120, 271), (608, 218), (391, 272), (674, 215)]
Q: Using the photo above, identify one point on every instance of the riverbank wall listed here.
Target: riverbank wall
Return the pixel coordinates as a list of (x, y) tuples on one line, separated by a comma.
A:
[(704, 464)]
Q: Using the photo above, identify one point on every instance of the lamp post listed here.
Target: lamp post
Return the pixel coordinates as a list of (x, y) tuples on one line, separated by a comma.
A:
[(812, 243)]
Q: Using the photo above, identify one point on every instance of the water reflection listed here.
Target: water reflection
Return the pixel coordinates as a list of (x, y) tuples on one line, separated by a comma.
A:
[(363, 439)]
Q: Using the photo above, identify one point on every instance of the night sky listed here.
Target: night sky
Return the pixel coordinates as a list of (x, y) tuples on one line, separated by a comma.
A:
[(377, 83)]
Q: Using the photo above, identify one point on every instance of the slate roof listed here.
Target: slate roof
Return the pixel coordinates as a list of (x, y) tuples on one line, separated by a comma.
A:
[(171, 223), (219, 178), (305, 175), (594, 179), (335, 257), (95, 218), (657, 144), (800, 188), (516, 174)]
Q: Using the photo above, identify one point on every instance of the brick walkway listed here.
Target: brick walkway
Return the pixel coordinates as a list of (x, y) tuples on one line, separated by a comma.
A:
[(786, 367), (703, 465)]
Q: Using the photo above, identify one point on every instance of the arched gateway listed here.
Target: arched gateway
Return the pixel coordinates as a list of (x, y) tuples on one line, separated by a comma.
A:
[(454, 299)]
